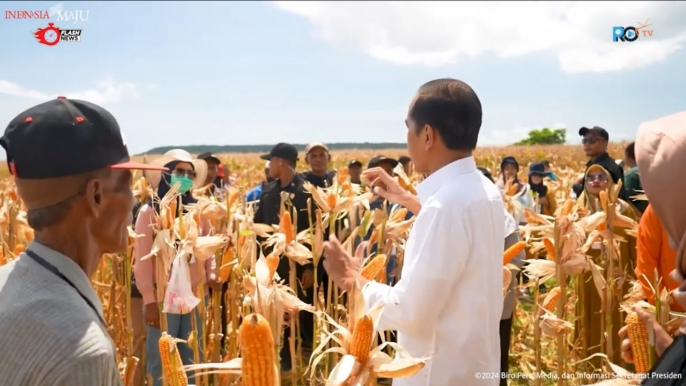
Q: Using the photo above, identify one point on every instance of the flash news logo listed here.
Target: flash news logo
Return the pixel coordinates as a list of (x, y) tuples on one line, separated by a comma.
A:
[(52, 35), (631, 34)]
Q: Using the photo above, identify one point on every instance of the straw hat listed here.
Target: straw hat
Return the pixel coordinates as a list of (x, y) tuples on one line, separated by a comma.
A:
[(200, 166)]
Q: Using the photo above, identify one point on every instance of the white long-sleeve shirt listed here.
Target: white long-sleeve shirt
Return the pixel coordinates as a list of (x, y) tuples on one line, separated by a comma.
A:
[(449, 299)]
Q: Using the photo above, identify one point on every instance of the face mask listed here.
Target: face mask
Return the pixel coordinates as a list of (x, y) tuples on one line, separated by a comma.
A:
[(186, 183)]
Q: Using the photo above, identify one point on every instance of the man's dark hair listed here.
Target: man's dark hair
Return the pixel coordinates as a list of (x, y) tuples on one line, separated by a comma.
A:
[(629, 151), (452, 108), (42, 218), (404, 159)]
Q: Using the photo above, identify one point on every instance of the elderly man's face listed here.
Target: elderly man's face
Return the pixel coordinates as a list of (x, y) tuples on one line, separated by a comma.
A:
[(318, 160), (111, 200)]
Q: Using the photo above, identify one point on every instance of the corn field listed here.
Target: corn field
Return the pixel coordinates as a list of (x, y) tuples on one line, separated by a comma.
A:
[(583, 270)]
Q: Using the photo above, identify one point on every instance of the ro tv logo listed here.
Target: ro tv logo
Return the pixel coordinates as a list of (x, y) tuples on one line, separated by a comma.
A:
[(631, 34)]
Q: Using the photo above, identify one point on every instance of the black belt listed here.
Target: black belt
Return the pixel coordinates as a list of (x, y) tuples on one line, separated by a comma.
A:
[(59, 274)]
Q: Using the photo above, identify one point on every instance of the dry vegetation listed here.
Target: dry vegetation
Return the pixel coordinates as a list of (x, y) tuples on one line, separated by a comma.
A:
[(257, 302)]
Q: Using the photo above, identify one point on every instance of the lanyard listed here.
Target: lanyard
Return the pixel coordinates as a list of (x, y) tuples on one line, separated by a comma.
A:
[(59, 274)]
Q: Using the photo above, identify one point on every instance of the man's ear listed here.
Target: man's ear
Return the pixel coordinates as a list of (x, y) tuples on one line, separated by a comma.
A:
[(430, 137), (93, 195)]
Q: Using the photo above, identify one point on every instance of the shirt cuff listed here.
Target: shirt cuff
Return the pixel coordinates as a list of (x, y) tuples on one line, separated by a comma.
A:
[(373, 292)]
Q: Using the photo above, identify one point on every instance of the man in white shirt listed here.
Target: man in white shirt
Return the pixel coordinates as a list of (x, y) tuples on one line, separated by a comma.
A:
[(449, 300)]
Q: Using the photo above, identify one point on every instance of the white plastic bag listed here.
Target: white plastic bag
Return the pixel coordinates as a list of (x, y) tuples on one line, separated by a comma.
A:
[(179, 297)]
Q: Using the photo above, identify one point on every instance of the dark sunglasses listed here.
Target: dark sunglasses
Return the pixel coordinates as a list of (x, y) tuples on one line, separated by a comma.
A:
[(597, 177), (589, 140), (185, 173)]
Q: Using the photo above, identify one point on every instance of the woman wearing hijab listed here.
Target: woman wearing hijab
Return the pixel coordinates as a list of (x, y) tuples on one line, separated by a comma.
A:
[(516, 188), (589, 324), (188, 173), (545, 197)]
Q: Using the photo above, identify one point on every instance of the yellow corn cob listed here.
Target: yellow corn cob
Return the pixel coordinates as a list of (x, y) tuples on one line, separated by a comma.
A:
[(399, 215), (405, 184), (374, 267), (568, 206), (272, 263), (640, 348), (512, 190), (331, 200), (257, 348), (342, 174), (513, 251), (550, 301), (361, 342), (172, 367), (549, 249), (286, 227), (603, 200)]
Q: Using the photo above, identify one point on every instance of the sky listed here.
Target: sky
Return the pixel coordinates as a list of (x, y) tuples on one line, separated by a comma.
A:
[(234, 73)]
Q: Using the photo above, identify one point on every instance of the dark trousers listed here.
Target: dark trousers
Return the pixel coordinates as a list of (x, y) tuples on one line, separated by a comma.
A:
[(505, 333)]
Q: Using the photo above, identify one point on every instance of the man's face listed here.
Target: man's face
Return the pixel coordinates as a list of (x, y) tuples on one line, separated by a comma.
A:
[(386, 166), (276, 164), (318, 159), (593, 145), (113, 203), (225, 177), (355, 172), (212, 171), (416, 142)]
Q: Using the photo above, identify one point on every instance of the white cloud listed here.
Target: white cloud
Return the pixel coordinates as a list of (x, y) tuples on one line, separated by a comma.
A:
[(106, 90), (439, 33)]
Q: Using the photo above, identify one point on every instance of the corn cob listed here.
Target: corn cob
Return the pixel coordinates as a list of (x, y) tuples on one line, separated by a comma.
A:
[(272, 263), (374, 267), (549, 249), (512, 189), (171, 361), (361, 343), (567, 207), (257, 348), (640, 348), (331, 200), (405, 184), (513, 251), (550, 301), (286, 227), (603, 200)]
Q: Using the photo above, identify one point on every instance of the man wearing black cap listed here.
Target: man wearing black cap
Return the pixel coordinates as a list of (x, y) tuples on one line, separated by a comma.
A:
[(282, 161), (72, 170), (317, 157), (213, 163), (595, 141), (387, 164), (355, 171)]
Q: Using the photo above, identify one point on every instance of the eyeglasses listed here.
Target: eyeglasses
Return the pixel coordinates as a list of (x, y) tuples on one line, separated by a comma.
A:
[(597, 177), (185, 173), (589, 140)]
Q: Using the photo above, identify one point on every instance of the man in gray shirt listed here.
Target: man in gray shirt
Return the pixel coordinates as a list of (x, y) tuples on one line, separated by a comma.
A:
[(72, 171)]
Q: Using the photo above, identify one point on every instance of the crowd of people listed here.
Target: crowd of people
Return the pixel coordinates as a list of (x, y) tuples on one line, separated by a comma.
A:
[(72, 171)]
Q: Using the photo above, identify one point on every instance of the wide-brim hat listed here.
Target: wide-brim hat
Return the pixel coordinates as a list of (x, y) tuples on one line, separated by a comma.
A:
[(180, 155)]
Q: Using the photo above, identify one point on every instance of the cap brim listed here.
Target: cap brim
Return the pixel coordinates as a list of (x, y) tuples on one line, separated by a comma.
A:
[(266, 157), (137, 166), (583, 131)]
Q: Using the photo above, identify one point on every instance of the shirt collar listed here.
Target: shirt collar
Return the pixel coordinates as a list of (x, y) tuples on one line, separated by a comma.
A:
[(433, 182), (70, 270)]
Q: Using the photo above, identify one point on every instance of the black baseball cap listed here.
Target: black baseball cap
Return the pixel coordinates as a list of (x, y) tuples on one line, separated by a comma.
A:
[(59, 141), (282, 150), (374, 162), (595, 130), (354, 162), (209, 156)]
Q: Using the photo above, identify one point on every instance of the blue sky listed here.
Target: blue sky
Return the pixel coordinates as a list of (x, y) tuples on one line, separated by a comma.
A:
[(181, 73)]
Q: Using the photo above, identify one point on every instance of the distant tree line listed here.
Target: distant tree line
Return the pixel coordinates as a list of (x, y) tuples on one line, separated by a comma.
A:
[(218, 149), (544, 137)]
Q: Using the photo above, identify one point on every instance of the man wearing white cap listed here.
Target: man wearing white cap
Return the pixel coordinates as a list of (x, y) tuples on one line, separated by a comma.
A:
[(317, 157)]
